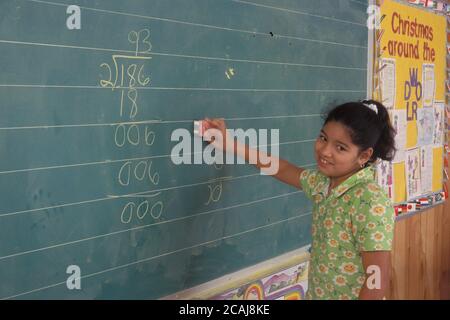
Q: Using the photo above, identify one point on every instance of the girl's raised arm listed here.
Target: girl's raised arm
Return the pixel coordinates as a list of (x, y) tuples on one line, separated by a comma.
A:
[(287, 172)]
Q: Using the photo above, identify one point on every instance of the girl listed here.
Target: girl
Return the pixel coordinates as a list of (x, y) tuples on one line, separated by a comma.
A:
[(353, 220)]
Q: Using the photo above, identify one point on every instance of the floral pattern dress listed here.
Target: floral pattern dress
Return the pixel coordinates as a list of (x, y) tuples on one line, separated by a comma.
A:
[(356, 216)]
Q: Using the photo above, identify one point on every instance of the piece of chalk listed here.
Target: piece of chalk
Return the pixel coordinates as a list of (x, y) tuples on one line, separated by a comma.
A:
[(200, 127)]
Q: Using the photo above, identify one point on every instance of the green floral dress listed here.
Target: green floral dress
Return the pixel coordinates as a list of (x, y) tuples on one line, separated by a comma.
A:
[(357, 216)]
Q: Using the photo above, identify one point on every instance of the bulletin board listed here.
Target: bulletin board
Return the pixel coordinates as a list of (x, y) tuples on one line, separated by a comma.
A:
[(409, 78)]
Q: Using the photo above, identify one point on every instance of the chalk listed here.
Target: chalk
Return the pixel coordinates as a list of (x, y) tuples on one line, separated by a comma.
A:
[(200, 127)]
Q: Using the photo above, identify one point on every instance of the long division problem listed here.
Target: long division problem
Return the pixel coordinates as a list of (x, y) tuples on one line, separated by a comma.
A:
[(126, 74)]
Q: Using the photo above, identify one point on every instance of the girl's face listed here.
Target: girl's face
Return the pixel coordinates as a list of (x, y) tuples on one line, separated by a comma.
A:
[(336, 155)]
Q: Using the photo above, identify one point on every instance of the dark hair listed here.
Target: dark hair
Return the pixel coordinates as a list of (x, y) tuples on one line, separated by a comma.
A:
[(368, 128)]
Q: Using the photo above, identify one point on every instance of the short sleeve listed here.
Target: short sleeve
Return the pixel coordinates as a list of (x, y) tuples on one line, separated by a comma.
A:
[(309, 180), (373, 223)]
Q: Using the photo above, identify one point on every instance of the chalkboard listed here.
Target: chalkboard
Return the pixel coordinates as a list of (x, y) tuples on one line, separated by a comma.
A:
[(88, 103)]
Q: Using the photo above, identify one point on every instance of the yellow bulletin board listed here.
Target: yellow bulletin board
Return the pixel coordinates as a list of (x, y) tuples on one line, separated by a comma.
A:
[(409, 78)]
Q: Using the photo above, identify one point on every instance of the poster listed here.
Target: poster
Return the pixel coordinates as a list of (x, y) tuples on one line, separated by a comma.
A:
[(438, 134), (413, 183), (387, 77), (428, 85), (398, 119), (425, 126), (385, 178), (426, 168)]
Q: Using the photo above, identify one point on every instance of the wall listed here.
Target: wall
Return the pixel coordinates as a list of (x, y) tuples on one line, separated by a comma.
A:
[(421, 255)]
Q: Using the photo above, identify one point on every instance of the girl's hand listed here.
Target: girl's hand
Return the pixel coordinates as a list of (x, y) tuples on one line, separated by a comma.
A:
[(218, 137)]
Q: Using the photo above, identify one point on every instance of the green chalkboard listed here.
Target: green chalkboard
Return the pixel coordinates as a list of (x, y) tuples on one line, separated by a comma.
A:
[(86, 117)]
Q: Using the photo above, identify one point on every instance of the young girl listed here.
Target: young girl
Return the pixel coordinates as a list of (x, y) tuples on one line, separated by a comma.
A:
[(353, 220)]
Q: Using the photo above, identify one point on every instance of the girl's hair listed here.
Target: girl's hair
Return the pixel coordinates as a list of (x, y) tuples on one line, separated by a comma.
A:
[(368, 128)]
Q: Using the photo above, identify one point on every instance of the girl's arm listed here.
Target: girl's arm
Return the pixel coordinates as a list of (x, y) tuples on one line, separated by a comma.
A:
[(377, 265), (287, 172)]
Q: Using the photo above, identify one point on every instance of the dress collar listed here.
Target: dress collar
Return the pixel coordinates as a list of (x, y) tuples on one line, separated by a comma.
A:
[(366, 174)]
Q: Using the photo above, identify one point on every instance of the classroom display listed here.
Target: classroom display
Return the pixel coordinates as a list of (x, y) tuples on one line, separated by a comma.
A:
[(410, 79)]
